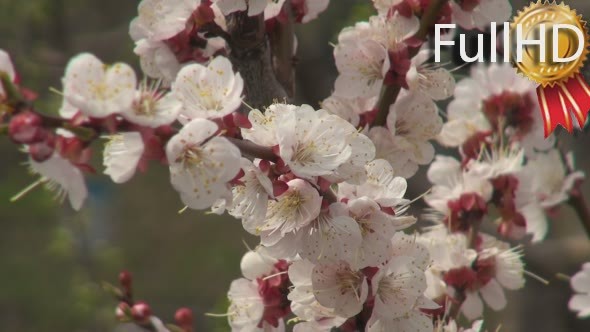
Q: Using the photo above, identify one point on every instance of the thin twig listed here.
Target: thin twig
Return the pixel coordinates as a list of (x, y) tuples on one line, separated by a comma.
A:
[(254, 150), (456, 303)]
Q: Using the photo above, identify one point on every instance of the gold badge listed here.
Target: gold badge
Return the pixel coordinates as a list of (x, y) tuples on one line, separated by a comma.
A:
[(556, 62), (549, 14)]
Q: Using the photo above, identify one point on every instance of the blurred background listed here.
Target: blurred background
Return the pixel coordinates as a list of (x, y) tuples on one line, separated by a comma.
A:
[(52, 260)]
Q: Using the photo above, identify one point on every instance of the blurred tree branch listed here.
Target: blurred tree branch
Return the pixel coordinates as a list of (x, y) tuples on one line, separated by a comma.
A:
[(264, 62), (578, 202)]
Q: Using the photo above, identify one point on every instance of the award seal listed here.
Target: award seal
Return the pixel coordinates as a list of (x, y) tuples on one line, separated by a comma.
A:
[(554, 62)]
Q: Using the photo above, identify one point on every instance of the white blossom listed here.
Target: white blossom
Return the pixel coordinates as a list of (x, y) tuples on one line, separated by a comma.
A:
[(451, 326), (450, 181), (201, 164), (338, 286), (428, 79), (163, 19), (399, 286), (256, 264), (508, 273), (362, 65), (313, 8), (208, 92), (392, 31), (411, 123), (349, 109), (383, 6), (250, 198), (580, 283), (381, 185), (551, 181), (292, 210), (254, 7), (362, 151), (510, 163), (96, 89), (492, 95), (303, 303), (482, 14), (376, 230), (264, 125), (411, 321), (332, 236), (314, 143), (157, 60), (62, 177), (447, 250), (246, 305), (152, 107), (122, 154)]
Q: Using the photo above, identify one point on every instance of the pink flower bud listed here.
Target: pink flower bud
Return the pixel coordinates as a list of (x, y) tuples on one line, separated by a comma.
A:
[(141, 312), (125, 279), (43, 150), (184, 318), (25, 128), (122, 311)]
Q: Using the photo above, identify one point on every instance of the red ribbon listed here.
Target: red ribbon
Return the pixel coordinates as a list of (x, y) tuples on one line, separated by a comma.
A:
[(559, 100)]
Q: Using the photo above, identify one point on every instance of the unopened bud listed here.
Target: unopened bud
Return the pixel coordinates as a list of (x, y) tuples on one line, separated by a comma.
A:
[(43, 150), (125, 279), (25, 128), (122, 312), (184, 318), (141, 312)]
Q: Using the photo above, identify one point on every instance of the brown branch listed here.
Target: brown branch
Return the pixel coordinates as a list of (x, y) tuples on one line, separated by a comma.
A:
[(251, 57), (579, 204), (456, 303), (254, 150), (388, 96), (282, 44), (389, 93)]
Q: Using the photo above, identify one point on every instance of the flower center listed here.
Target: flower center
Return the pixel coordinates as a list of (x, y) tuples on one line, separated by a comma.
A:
[(304, 153), (146, 105), (510, 109)]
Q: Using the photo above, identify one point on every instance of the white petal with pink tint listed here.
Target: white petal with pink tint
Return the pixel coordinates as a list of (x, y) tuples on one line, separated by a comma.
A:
[(339, 287), (96, 89), (121, 156), (208, 92)]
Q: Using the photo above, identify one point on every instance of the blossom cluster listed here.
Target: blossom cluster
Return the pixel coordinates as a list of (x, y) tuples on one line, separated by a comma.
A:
[(324, 190)]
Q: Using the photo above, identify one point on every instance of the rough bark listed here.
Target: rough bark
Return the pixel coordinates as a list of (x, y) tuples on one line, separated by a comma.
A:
[(252, 58)]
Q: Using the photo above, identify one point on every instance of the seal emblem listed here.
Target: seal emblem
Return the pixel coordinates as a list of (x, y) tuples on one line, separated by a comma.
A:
[(562, 89)]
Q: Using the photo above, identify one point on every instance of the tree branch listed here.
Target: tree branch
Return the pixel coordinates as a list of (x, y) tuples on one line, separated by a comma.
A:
[(251, 57), (254, 150), (456, 303), (389, 93), (579, 204), (282, 44)]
